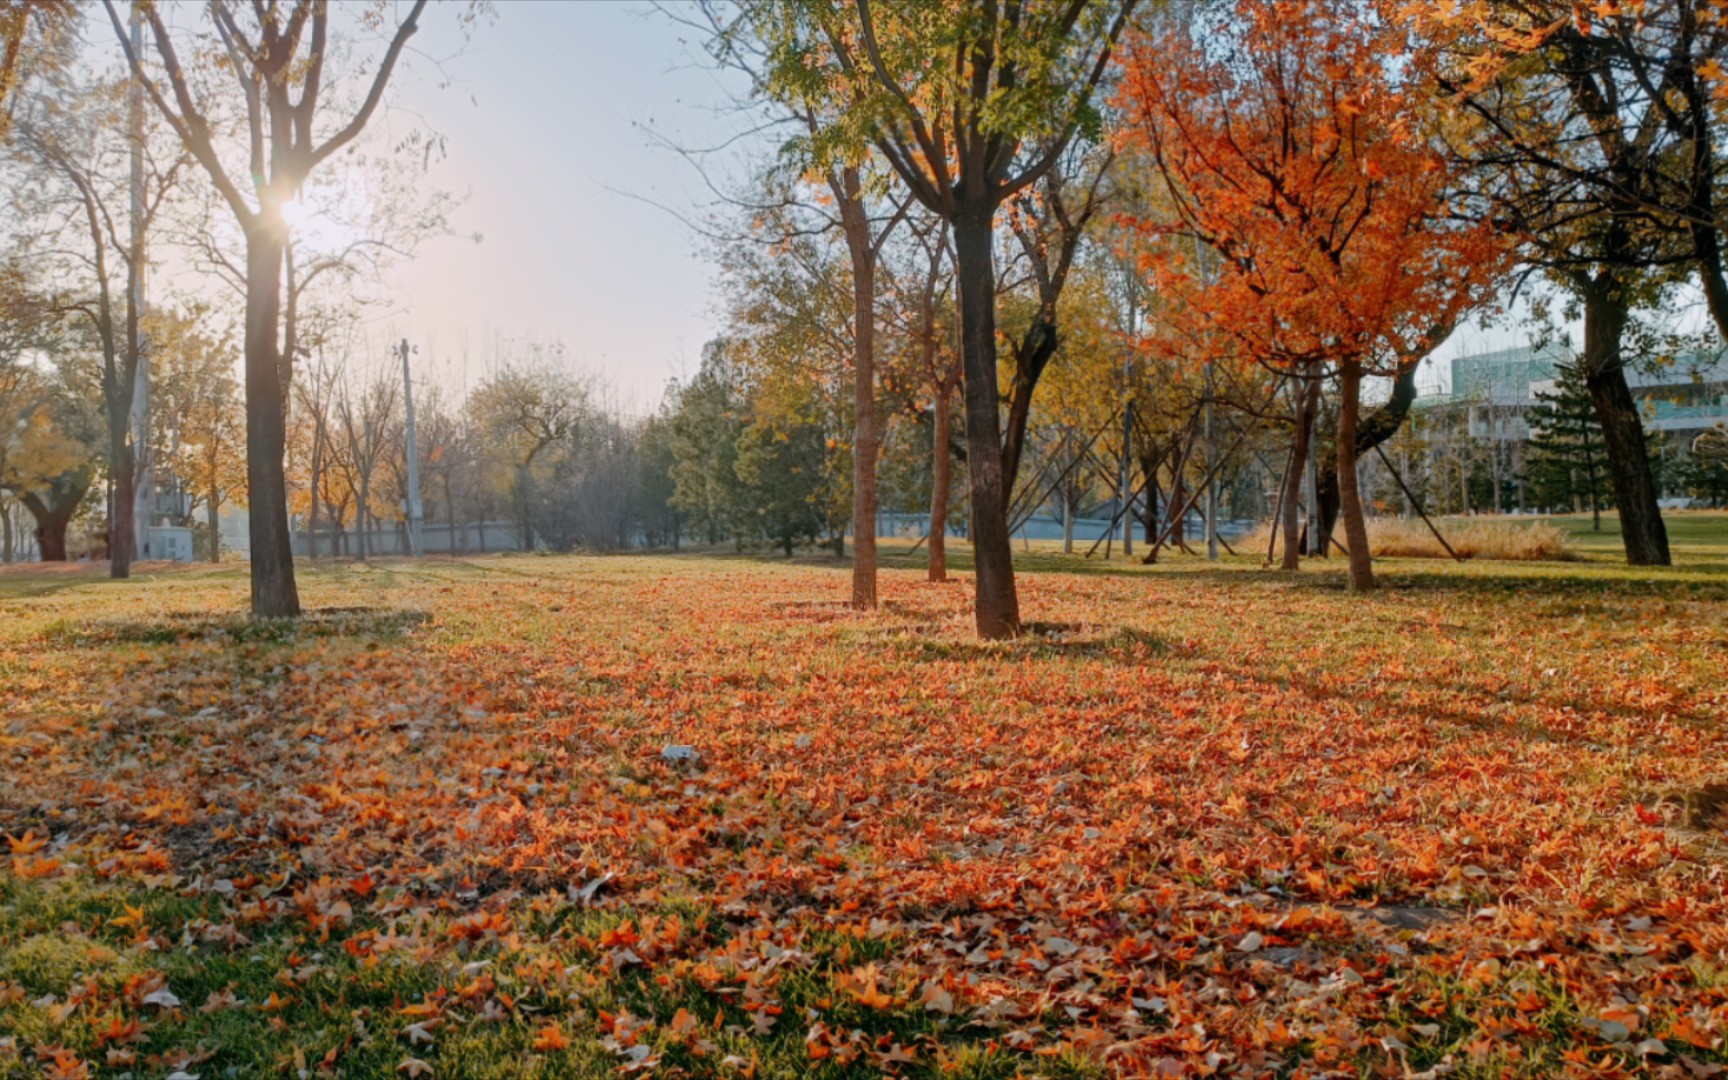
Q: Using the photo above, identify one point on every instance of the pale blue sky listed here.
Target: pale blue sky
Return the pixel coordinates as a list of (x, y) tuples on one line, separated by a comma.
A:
[(544, 110), (541, 120)]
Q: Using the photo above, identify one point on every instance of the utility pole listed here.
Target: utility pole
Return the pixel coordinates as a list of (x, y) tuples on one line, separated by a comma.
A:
[(415, 519), (143, 492), (1211, 446), (1316, 542), (1211, 475), (1127, 476), (1127, 465)]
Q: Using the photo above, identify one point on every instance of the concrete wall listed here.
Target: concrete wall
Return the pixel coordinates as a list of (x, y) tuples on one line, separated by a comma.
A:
[(469, 539)]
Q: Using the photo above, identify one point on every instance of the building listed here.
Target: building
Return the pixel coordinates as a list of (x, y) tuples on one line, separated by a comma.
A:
[(1682, 397), (170, 542), (1472, 413)]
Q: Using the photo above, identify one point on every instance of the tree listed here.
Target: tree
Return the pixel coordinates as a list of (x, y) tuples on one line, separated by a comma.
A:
[(1703, 473), (35, 35), (707, 421), (312, 437), (83, 180), (1049, 221), (521, 412), (197, 413), (661, 522), (1653, 69), (28, 325), (369, 423), (848, 202), (279, 62), (1301, 173), (447, 460), (1578, 149), (1566, 465), (969, 104), (52, 446), (754, 451), (921, 294), (780, 464), (791, 337)]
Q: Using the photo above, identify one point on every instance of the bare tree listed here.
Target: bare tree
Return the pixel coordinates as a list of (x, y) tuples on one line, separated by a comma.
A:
[(277, 55), (371, 432)]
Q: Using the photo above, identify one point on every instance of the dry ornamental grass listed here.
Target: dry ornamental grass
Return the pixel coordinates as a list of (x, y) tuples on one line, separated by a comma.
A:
[(1471, 538)]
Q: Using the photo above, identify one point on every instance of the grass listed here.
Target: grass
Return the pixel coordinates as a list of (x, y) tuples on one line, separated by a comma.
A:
[(430, 827)]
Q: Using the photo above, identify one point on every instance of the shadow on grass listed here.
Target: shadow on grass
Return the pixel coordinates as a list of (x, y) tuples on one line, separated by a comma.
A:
[(1042, 641), (29, 581), (171, 627), (1692, 580)]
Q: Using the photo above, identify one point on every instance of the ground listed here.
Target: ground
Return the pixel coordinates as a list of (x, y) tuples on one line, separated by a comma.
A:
[(1200, 820)]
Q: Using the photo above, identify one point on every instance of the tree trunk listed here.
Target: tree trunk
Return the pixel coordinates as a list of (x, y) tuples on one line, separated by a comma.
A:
[(1464, 477), (1349, 494), (273, 590), (365, 498), (450, 515), (856, 226), (525, 521), (5, 533), (941, 485), (1310, 397), (1149, 523), (214, 516), (51, 537), (1641, 529), (1067, 520), (1404, 471), (52, 521), (1179, 499), (122, 538), (997, 607), (863, 438), (1371, 431), (317, 472), (1031, 358)]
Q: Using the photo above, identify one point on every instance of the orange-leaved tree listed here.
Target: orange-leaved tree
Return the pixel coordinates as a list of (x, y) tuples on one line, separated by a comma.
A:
[(1309, 227)]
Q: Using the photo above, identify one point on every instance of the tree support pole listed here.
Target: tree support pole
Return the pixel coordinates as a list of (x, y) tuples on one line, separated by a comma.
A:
[(1278, 506), (1188, 503), (1417, 505)]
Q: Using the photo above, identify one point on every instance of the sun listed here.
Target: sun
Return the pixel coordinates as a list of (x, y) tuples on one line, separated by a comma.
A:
[(313, 226), (298, 213)]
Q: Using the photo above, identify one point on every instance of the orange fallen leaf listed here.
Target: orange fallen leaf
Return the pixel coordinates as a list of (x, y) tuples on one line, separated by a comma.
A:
[(551, 1037)]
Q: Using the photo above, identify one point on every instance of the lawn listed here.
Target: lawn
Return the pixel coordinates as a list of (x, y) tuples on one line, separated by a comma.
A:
[(1201, 820)]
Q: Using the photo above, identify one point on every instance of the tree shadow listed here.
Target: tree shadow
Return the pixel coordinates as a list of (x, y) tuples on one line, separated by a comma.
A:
[(1041, 641), (28, 581), (170, 628)]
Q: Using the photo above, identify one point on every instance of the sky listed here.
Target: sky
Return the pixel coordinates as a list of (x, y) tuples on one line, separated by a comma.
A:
[(554, 117), (546, 113)]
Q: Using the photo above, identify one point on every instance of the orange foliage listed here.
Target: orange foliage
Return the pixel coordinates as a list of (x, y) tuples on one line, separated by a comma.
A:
[(1297, 156)]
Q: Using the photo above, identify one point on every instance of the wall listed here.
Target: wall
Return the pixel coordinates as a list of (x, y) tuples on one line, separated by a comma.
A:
[(391, 540)]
